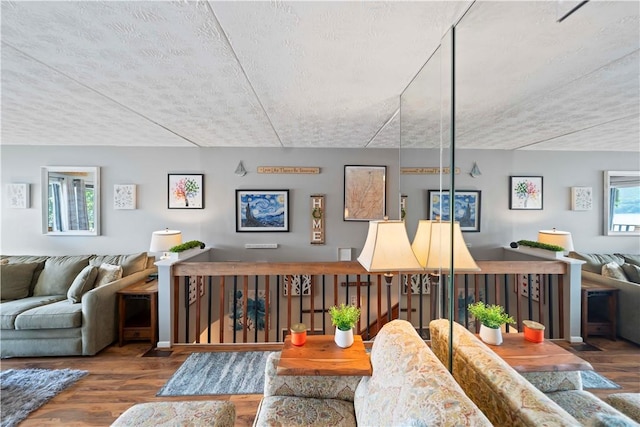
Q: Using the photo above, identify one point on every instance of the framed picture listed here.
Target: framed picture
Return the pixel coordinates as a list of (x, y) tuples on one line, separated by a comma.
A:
[(186, 191), (256, 310), (19, 195), (364, 193), (525, 192), (581, 198), (124, 196), (419, 284), (300, 283), (466, 207), (262, 210)]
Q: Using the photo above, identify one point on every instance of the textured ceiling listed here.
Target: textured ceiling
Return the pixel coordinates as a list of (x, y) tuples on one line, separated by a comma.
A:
[(318, 74)]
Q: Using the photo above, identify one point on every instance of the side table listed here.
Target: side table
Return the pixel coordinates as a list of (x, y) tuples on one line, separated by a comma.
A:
[(142, 326), (596, 323)]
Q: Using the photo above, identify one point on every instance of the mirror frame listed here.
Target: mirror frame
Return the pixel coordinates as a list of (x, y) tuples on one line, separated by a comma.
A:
[(45, 199), (607, 201)]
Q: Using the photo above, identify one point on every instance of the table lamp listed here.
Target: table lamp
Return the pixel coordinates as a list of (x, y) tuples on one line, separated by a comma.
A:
[(557, 238), (163, 240)]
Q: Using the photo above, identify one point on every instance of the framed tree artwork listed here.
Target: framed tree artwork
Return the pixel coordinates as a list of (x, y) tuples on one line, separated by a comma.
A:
[(525, 192), (186, 191), (364, 193)]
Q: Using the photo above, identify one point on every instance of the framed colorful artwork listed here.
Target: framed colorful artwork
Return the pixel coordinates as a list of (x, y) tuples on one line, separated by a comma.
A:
[(256, 310), (186, 191), (262, 210), (466, 207), (525, 192), (364, 193)]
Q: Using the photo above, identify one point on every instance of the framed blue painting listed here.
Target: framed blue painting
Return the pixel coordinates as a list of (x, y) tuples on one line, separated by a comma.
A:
[(466, 207), (262, 210)]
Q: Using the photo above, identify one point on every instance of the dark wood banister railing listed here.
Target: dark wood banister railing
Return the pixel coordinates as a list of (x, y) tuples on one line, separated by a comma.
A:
[(267, 276)]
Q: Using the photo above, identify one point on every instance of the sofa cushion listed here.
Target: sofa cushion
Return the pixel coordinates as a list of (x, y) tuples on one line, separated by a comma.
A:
[(608, 420), (410, 386), (58, 274), (107, 273), (304, 411), (632, 272), (631, 258), (11, 309), (614, 270), (594, 262), (130, 263), (584, 406), (57, 315), (627, 403), (15, 280), (214, 413), (83, 282)]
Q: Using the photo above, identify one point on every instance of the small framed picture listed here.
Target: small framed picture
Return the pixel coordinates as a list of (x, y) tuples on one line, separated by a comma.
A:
[(186, 191), (262, 210), (466, 207), (581, 198), (364, 193), (124, 196), (525, 192), (18, 195)]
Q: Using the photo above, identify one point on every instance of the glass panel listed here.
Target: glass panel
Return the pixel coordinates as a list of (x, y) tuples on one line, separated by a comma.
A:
[(621, 203)]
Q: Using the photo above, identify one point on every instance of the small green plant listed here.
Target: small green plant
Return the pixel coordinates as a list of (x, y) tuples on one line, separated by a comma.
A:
[(539, 245), (344, 317), (491, 316), (187, 245)]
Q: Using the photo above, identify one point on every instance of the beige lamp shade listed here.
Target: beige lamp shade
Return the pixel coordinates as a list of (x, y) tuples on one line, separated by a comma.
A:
[(555, 237), (387, 248), (163, 240), (432, 247)]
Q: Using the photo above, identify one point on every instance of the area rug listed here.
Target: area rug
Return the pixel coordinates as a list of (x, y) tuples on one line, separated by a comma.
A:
[(22, 391), (592, 379), (233, 372)]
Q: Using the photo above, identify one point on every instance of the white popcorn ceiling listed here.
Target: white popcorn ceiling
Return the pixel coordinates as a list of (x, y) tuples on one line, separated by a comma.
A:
[(318, 74)]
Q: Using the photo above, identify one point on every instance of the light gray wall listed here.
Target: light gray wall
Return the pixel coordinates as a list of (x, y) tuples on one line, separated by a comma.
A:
[(125, 231)]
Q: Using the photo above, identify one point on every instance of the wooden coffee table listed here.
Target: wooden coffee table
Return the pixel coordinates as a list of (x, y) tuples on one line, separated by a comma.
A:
[(527, 356), (321, 356)]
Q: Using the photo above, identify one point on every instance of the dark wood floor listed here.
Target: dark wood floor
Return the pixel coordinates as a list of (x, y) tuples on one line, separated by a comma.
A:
[(121, 376)]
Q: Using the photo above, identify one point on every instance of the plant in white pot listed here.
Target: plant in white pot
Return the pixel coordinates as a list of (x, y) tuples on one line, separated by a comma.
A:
[(491, 318), (344, 318)]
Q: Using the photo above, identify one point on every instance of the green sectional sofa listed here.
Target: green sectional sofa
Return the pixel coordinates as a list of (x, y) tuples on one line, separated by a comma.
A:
[(63, 305), (620, 271)]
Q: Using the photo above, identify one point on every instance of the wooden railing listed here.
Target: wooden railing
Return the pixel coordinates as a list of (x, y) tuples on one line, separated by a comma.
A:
[(225, 302)]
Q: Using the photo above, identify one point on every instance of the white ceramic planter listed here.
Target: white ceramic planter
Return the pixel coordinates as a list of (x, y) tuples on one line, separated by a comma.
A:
[(344, 339), (490, 335)]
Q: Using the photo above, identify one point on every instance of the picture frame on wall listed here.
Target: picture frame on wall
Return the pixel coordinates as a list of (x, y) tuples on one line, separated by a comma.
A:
[(525, 193), (124, 196), (185, 191), (466, 207), (18, 195), (364, 193), (262, 210), (581, 198)]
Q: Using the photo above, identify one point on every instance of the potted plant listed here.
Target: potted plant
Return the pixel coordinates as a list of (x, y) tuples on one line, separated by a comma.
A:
[(491, 318), (344, 318)]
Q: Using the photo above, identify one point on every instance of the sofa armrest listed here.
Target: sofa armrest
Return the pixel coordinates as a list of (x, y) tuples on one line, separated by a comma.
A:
[(320, 387), (99, 312)]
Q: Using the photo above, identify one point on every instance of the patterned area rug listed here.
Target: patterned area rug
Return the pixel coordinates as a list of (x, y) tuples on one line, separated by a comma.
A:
[(218, 373), (592, 379), (22, 391)]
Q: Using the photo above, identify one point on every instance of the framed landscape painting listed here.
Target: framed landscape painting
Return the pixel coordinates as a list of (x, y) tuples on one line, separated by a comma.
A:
[(364, 193), (186, 191), (466, 207), (262, 210), (525, 192)]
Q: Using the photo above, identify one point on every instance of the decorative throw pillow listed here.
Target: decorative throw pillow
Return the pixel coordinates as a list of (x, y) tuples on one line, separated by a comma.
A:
[(82, 283), (58, 274), (632, 271), (4, 261), (15, 280), (614, 270), (108, 273), (130, 263)]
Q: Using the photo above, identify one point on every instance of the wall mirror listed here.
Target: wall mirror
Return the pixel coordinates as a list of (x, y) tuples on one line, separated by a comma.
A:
[(71, 200), (621, 203)]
